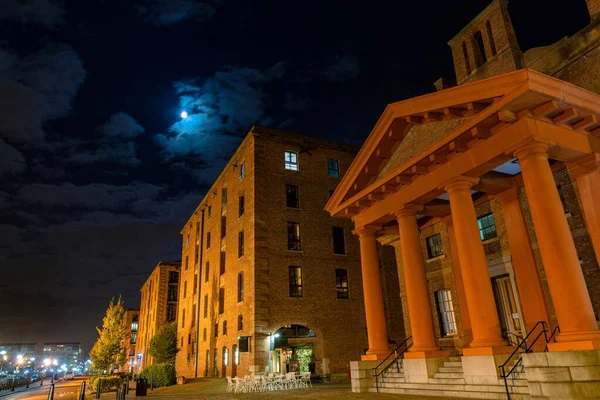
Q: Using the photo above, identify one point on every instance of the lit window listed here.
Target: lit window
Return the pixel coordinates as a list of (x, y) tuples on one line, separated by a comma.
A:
[(333, 168), (236, 355), (434, 246), (293, 231), (295, 281), (225, 356), (446, 312), (291, 161), (487, 228), (341, 283), (240, 292), (242, 170)]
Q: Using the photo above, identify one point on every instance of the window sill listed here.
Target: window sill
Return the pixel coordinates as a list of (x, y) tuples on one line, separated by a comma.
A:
[(440, 257), (341, 255), (293, 208), (490, 240), (295, 251)]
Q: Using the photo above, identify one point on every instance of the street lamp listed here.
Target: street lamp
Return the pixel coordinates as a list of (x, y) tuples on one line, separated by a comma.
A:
[(4, 358)]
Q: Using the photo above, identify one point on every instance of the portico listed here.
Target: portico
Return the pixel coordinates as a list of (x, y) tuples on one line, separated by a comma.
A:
[(526, 119)]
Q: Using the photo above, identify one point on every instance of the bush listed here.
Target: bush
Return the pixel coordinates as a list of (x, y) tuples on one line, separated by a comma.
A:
[(162, 374), (107, 383)]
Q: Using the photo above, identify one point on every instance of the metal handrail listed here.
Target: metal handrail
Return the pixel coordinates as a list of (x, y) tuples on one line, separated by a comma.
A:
[(524, 347), (395, 360)]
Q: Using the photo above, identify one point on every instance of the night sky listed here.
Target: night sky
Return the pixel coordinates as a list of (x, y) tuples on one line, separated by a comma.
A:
[(99, 172)]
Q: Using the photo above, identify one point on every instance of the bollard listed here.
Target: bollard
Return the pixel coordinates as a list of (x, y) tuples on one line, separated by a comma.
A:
[(51, 392), (127, 384), (12, 389), (82, 394), (42, 381), (28, 380)]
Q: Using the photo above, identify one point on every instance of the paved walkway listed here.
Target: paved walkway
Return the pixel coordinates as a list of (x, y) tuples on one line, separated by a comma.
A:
[(214, 388)]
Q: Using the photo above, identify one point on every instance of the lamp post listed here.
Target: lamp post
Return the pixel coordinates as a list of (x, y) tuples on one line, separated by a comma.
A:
[(4, 358)]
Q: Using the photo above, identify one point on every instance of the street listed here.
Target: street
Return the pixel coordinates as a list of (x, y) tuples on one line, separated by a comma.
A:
[(62, 390)]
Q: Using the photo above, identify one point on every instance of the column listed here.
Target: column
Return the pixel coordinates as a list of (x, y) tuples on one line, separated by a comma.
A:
[(565, 279), (417, 293), (526, 272), (587, 176), (459, 283), (373, 295), (483, 315)]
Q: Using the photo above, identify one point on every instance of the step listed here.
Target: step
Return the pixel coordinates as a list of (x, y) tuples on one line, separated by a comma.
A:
[(448, 364), (514, 382), (450, 393), (394, 374), (447, 381), (459, 375), (392, 380), (450, 369)]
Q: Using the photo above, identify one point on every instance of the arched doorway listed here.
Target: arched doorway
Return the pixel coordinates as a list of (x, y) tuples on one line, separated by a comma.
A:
[(236, 360), (293, 349), (207, 363), (224, 361), (215, 366)]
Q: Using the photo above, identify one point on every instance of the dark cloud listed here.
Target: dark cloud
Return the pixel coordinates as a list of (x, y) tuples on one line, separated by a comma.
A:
[(12, 161), (294, 102), (342, 68), (44, 12), (123, 125), (169, 12)]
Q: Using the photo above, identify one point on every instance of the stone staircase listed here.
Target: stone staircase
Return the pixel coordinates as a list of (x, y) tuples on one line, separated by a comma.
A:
[(449, 382)]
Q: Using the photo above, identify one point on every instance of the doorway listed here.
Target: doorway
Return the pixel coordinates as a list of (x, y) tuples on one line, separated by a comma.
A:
[(508, 310)]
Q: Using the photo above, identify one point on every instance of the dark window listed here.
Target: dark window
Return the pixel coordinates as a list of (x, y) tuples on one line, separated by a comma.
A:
[(434, 245), (189, 338), (186, 262), (291, 196), (172, 293), (216, 330), (208, 240), (242, 170), (240, 291), (561, 195), (209, 211), (193, 315), (241, 205), (222, 263), (223, 198), (183, 318), (195, 283), (240, 244), (197, 253), (481, 57), (339, 246), (205, 306), (446, 312), (333, 168), (488, 27), (224, 328), (466, 56), (133, 338), (487, 228), (223, 226), (171, 312), (291, 161), (293, 231), (204, 334), (206, 271), (295, 281), (184, 289), (173, 277), (221, 300), (341, 283), (331, 193), (240, 322)]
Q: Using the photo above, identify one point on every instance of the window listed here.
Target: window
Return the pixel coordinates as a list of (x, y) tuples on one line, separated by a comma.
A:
[(466, 56), (183, 318), (216, 332), (195, 284), (187, 238), (240, 289), (225, 356), (222, 263), (339, 246), (134, 325), (446, 312), (291, 196), (193, 315), (207, 363), (223, 226), (184, 289), (133, 338), (223, 198), (172, 293), (224, 328), (341, 283), (561, 195), (186, 262), (481, 57), (240, 244), (295, 281), (206, 271), (333, 168), (434, 246), (291, 161), (241, 205), (189, 338), (293, 230), (205, 306), (240, 322), (236, 355), (209, 211), (488, 27), (208, 240), (221, 300), (487, 228), (173, 278), (242, 170), (204, 334)]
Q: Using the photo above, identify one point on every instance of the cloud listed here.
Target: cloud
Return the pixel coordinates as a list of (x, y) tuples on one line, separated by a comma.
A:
[(342, 68), (122, 124), (169, 12), (296, 103), (13, 162), (44, 12)]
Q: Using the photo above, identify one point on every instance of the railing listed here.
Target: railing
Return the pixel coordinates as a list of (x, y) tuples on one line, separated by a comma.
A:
[(395, 361), (523, 346)]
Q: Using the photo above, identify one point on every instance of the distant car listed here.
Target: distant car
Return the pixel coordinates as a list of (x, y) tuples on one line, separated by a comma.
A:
[(68, 376)]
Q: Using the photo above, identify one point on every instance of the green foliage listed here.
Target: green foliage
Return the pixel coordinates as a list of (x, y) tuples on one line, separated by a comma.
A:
[(162, 374), (163, 346), (110, 343), (107, 383)]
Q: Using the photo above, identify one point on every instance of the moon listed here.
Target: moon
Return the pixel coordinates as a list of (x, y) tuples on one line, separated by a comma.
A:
[(184, 114)]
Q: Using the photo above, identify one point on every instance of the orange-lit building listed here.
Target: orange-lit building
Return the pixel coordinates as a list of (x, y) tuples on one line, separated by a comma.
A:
[(131, 321), (489, 192)]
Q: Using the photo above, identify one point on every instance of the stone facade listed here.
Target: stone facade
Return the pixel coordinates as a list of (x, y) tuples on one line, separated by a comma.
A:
[(265, 305), (131, 321), (158, 307)]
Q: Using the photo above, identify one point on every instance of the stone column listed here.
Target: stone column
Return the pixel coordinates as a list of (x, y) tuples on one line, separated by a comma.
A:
[(373, 295), (478, 286), (459, 283), (587, 176), (526, 272), (417, 293), (567, 285)]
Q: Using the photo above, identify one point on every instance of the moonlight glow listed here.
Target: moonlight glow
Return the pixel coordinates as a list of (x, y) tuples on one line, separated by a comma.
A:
[(184, 114)]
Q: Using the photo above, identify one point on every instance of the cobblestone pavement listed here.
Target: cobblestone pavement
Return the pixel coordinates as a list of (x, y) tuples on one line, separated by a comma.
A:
[(212, 388)]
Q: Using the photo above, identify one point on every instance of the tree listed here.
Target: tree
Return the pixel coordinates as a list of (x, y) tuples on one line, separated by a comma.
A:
[(163, 346), (110, 344)]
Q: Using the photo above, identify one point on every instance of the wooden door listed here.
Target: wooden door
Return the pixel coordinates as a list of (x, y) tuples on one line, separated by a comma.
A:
[(506, 301)]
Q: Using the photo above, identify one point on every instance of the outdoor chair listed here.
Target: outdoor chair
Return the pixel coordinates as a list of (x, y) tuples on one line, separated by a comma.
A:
[(305, 379), (230, 384)]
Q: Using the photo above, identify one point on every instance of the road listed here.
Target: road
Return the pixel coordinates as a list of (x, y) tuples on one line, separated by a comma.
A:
[(62, 391)]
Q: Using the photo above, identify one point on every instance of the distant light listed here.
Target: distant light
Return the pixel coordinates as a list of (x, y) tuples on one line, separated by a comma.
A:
[(184, 114), (3, 352), (276, 335)]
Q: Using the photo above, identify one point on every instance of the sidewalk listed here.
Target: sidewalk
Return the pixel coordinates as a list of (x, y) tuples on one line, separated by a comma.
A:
[(32, 387), (214, 388)]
